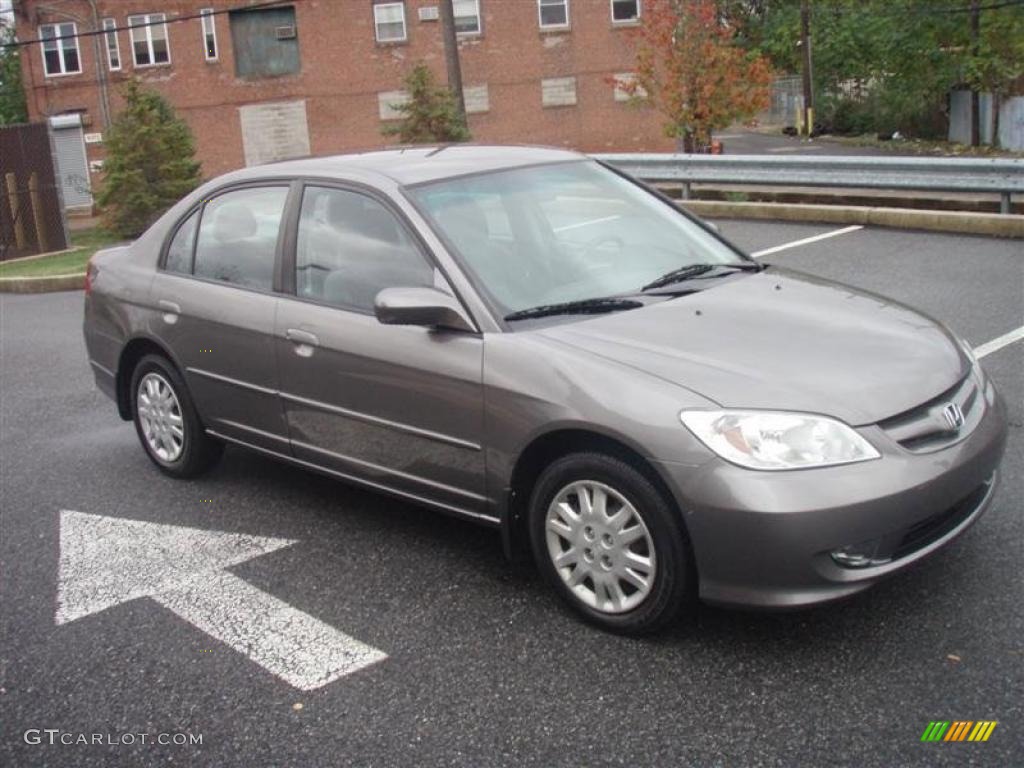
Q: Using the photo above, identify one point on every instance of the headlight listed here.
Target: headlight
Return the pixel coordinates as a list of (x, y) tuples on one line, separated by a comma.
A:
[(778, 440), (968, 351)]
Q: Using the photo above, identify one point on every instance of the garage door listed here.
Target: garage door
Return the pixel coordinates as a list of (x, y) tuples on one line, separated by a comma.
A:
[(72, 166)]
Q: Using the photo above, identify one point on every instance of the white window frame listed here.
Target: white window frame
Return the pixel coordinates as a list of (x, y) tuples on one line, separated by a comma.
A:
[(150, 21), (620, 22), (58, 39), (206, 17), (479, 19), (540, 17), (110, 36), (377, 22)]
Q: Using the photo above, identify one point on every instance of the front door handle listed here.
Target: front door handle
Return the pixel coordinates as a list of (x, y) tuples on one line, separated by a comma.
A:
[(171, 311), (304, 341)]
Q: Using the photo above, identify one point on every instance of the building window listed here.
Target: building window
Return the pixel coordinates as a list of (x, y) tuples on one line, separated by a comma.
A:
[(626, 88), (150, 46), (554, 14), (60, 49), (558, 92), (389, 21), (113, 48), (625, 11), (209, 34), (467, 16), (265, 42)]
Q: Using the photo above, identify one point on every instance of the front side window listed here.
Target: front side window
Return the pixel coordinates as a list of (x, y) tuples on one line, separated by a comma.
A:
[(350, 248), (150, 45), (467, 16), (554, 14), (624, 11), (179, 253), (237, 239), (60, 49), (113, 47), (563, 232), (389, 21), (209, 34)]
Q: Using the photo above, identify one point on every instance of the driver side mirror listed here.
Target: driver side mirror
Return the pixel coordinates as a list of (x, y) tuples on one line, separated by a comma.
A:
[(421, 306)]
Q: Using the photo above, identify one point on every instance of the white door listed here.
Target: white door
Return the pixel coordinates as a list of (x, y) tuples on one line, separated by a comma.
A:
[(72, 165)]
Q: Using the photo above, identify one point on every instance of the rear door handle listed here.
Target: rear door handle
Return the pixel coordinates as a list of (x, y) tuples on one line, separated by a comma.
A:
[(171, 311), (304, 341)]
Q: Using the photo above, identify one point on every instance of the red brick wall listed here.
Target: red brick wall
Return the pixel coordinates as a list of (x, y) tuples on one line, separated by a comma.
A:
[(344, 68)]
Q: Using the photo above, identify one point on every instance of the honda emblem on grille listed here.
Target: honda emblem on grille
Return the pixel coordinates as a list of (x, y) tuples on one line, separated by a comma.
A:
[(954, 416)]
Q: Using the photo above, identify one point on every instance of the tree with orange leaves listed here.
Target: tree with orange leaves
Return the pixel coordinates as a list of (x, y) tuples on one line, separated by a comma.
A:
[(690, 68)]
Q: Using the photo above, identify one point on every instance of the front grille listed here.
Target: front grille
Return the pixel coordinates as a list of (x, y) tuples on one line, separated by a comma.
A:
[(924, 428), (935, 527)]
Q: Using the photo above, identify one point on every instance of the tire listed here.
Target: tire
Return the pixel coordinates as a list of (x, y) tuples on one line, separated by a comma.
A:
[(608, 547), (168, 425)]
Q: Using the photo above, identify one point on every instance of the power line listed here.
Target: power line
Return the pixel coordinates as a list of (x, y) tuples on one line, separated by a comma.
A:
[(175, 20)]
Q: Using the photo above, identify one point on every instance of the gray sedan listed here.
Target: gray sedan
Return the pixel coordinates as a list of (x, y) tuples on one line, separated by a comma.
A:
[(530, 340)]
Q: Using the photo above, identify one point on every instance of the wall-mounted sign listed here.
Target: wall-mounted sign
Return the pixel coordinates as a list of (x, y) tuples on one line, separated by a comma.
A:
[(95, 166), (94, 138)]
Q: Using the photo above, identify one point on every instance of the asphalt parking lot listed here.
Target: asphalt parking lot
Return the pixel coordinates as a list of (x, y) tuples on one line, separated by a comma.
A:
[(471, 661)]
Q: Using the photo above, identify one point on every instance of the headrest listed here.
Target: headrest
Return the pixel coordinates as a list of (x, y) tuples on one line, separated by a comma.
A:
[(234, 222)]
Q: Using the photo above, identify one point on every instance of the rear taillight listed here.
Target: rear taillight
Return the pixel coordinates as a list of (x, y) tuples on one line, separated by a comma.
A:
[(90, 275)]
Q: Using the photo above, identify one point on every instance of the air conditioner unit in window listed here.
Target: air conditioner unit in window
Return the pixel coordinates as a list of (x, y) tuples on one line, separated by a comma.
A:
[(429, 13), (286, 32)]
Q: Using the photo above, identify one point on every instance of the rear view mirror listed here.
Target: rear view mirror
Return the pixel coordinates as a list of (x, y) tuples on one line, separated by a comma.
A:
[(421, 306)]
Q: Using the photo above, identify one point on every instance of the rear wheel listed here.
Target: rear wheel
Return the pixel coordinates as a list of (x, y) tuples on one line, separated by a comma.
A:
[(610, 543), (167, 422)]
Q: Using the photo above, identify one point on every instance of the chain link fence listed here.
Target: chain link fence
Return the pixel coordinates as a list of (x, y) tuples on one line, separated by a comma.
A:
[(31, 205)]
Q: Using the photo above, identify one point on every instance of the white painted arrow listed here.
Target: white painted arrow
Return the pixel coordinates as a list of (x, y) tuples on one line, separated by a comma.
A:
[(105, 561)]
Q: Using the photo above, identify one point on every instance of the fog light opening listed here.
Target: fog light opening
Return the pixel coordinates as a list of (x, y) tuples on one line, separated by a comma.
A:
[(862, 555)]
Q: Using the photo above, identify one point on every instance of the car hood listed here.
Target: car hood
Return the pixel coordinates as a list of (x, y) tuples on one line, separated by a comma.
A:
[(783, 340)]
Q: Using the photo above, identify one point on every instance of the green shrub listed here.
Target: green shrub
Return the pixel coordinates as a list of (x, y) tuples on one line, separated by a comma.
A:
[(430, 115), (150, 162)]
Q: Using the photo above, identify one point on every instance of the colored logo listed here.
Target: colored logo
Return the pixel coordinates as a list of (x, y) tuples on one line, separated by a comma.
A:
[(959, 730)]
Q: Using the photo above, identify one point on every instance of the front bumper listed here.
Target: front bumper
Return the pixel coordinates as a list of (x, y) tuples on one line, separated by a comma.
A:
[(763, 539)]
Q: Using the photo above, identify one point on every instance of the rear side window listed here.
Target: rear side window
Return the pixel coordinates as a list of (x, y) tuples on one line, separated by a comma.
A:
[(238, 237), (179, 254), (350, 247)]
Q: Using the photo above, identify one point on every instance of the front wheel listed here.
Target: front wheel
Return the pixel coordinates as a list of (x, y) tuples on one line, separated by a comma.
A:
[(610, 543), (167, 422)]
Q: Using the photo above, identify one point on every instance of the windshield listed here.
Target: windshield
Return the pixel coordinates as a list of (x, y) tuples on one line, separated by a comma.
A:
[(565, 232)]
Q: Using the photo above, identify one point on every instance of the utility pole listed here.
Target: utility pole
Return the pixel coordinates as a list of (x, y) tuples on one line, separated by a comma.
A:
[(975, 96), (451, 57), (805, 43)]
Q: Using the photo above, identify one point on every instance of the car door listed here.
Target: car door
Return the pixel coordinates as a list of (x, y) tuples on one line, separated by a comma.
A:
[(215, 296), (399, 407)]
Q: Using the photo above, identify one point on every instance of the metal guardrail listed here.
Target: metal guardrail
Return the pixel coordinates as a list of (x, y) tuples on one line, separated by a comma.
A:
[(1002, 176)]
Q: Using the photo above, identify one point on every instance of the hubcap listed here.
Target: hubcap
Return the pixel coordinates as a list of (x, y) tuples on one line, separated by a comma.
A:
[(600, 546), (160, 417)]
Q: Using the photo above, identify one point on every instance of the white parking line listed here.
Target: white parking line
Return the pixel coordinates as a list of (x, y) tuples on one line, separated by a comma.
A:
[(998, 343), (806, 241)]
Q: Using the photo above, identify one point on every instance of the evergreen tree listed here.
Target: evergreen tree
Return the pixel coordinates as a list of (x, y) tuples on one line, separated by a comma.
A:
[(150, 162), (430, 115), (12, 95)]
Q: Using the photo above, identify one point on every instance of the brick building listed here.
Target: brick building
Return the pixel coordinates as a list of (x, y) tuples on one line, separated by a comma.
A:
[(263, 83)]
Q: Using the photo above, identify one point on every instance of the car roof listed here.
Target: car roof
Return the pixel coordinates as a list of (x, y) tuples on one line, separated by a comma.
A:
[(414, 165)]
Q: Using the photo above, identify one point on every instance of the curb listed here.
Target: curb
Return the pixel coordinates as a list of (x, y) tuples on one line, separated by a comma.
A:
[(962, 222), (44, 284)]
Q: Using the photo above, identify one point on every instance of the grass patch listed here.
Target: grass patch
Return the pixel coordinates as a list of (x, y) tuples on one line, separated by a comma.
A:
[(85, 244), (921, 146)]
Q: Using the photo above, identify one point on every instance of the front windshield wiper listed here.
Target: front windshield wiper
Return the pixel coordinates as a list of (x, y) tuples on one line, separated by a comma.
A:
[(682, 274), (581, 307)]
